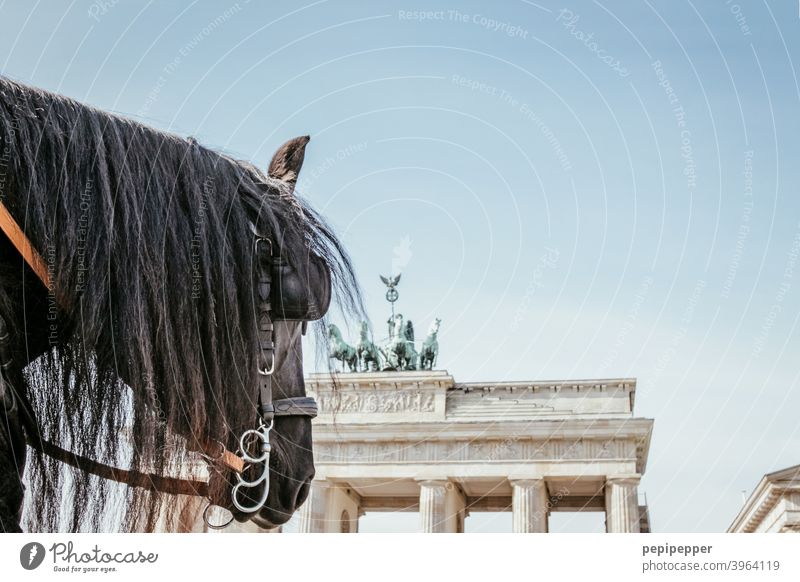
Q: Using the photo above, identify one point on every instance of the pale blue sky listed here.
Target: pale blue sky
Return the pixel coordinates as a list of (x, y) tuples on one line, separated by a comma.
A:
[(554, 210)]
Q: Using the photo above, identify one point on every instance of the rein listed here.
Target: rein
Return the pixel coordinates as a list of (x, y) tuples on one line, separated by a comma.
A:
[(268, 409)]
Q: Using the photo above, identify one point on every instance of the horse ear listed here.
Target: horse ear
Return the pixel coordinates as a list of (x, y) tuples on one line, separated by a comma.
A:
[(287, 161)]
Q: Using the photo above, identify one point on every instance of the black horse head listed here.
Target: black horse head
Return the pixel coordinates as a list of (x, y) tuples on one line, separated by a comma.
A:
[(143, 350), (301, 292)]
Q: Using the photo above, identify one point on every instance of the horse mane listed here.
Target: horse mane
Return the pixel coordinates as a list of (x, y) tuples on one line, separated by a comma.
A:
[(148, 241)]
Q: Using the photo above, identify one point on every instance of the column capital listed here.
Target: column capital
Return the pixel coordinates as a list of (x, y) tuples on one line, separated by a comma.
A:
[(632, 479), (433, 482), (533, 482)]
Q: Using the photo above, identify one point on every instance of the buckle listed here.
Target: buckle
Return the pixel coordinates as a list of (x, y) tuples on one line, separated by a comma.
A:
[(263, 239), (268, 371)]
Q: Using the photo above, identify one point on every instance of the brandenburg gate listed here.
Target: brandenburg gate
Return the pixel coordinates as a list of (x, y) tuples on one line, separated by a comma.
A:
[(421, 441)]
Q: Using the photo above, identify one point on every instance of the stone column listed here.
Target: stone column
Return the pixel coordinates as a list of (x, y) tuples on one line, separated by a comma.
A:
[(331, 507), (344, 506), (432, 496), (442, 507), (455, 508), (622, 504), (529, 506), (313, 513)]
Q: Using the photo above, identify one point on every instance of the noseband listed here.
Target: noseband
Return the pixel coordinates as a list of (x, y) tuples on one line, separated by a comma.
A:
[(293, 305)]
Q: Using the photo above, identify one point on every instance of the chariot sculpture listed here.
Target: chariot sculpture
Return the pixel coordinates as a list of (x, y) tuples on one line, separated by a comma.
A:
[(399, 351)]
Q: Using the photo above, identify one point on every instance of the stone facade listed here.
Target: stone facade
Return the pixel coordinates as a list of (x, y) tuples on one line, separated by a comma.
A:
[(420, 441), (774, 505)]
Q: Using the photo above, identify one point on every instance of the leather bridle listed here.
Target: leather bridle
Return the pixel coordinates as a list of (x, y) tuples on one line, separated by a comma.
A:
[(214, 452), (267, 407)]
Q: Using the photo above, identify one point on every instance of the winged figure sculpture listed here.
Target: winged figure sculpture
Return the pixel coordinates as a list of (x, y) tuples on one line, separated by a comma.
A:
[(391, 282)]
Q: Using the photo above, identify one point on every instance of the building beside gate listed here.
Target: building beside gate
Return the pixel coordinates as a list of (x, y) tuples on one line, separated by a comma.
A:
[(421, 441), (774, 505)]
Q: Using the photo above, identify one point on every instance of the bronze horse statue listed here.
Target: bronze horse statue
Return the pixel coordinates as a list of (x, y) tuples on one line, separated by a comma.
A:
[(158, 343)]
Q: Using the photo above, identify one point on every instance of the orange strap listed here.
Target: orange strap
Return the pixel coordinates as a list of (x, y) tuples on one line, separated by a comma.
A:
[(225, 457), (232, 461), (23, 245)]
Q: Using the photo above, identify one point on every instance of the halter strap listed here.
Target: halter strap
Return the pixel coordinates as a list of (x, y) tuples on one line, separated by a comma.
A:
[(258, 479), (265, 346)]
